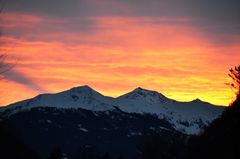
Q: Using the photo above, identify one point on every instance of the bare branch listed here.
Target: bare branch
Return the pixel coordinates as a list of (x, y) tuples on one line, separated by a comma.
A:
[(235, 76)]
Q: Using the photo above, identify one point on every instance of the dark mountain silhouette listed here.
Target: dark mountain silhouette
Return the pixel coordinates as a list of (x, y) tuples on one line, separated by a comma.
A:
[(77, 131)]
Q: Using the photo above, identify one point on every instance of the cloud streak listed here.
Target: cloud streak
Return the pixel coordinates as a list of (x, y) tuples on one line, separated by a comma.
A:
[(22, 79)]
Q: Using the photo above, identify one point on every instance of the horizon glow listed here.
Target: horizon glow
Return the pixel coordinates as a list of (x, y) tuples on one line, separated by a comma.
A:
[(114, 53)]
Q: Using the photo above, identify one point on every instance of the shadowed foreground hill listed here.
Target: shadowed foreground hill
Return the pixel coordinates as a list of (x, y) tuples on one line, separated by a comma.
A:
[(221, 139), (11, 147)]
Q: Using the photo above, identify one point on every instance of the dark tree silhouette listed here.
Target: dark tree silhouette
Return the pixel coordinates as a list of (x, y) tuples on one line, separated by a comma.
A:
[(4, 66), (235, 75)]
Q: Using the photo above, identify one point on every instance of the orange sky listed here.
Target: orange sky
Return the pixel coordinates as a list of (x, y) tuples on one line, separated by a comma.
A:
[(160, 53)]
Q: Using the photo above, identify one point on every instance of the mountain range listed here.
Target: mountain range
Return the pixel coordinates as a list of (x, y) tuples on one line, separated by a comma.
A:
[(187, 117), (81, 118)]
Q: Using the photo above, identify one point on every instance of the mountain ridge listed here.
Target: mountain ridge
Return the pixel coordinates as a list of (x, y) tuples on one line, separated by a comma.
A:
[(88, 88), (187, 117)]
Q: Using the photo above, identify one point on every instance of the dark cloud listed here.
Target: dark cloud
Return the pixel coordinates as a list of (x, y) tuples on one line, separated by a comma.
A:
[(48, 7), (214, 18), (23, 79), (222, 10)]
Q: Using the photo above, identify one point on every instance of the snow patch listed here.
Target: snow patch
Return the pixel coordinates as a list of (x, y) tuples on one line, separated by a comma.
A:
[(82, 128)]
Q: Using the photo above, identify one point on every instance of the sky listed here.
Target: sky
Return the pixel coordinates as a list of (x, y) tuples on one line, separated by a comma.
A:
[(182, 49)]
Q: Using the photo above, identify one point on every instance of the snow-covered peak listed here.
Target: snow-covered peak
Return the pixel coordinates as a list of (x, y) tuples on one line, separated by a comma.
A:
[(145, 95), (144, 91), (197, 100), (78, 97), (84, 92), (84, 89)]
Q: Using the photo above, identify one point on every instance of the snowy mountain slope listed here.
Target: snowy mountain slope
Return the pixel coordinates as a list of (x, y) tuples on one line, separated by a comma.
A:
[(149, 96), (187, 117), (77, 97)]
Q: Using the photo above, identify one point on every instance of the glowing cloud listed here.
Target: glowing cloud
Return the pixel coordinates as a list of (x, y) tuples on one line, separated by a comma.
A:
[(115, 55)]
